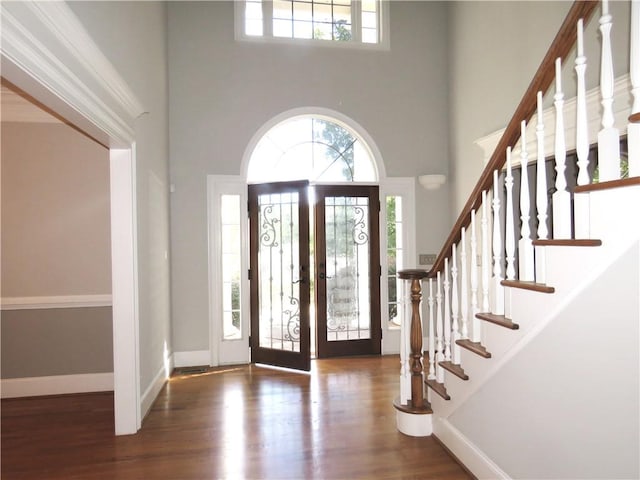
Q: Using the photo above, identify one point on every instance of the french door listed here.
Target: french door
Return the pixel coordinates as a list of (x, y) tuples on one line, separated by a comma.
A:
[(279, 266), (347, 261), (346, 277)]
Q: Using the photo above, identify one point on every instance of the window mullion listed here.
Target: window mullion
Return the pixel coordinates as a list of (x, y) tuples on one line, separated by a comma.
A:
[(356, 21), (267, 18)]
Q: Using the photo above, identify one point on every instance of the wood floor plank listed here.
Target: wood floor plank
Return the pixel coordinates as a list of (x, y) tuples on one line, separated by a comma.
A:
[(245, 422)]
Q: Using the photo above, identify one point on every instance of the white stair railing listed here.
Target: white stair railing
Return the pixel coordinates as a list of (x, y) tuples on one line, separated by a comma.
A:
[(471, 282)]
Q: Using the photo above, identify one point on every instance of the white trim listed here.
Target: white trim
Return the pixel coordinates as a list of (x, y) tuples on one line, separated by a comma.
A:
[(56, 385), (621, 105), (414, 424), (57, 301), (124, 268), (191, 358), (236, 351), (403, 187), (62, 23), (319, 112), (32, 59), (152, 391), (466, 451)]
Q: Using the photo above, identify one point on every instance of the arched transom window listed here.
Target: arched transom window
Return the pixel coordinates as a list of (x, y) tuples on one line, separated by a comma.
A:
[(311, 148)]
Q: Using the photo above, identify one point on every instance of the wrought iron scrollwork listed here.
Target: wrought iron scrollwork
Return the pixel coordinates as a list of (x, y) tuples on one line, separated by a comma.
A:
[(360, 235), (268, 232), (293, 321)]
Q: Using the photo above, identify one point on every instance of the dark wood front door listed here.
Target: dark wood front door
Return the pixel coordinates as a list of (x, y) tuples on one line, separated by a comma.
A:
[(279, 270), (347, 270)]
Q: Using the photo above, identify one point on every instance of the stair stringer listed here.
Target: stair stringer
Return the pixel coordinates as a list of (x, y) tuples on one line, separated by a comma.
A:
[(577, 403)]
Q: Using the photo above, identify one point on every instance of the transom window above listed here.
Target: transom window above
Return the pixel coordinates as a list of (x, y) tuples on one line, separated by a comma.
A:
[(314, 149), (330, 22)]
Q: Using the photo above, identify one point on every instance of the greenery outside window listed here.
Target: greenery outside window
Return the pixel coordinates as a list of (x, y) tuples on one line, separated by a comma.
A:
[(320, 22), (395, 255)]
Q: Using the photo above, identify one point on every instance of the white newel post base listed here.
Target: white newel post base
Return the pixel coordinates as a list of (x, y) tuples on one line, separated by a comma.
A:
[(414, 424)]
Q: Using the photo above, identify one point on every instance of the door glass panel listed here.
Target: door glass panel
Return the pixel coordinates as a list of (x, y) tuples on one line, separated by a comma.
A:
[(347, 268), (279, 270)]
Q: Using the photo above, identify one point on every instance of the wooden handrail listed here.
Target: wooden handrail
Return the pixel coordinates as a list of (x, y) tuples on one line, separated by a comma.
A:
[(560, 47)]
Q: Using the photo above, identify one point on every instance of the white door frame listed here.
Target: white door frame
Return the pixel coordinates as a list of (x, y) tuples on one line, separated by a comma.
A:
[(87, 91)]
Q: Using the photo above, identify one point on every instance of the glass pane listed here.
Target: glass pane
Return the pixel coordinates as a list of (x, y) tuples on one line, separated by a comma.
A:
[(282, 28), (369, 35), (322, 13), (282, 9), (342, 14), (347, 268), (231, 265), (369, 20), (322, 31), (278, 272), (302, 11), (253, 27), (302, 29), (369, 5)]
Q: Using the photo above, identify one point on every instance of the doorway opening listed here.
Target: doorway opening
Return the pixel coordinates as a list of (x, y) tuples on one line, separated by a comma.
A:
[(314, 249)]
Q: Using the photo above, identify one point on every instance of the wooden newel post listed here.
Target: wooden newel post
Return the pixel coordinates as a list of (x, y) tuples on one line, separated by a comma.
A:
[(417, 381)]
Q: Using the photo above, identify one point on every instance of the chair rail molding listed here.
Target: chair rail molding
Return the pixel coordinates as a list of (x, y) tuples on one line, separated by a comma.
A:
[(55, 301)]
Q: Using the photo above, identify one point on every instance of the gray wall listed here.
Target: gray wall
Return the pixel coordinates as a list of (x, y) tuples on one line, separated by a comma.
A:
[(495, 48), (55, 242), (132, 35), (223, 91), (567, 405)]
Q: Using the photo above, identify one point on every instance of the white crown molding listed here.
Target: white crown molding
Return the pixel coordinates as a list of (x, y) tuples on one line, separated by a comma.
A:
[(61, 21), (56, 385), (621, 107), (59, 301), (101, 95)]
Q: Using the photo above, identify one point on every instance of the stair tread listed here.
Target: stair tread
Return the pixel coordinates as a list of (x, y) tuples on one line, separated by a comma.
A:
[(622, 182), (439, 388), (408, 408), (536, 287), (475, 347), (498, 320), (573, 242), (457, 370)]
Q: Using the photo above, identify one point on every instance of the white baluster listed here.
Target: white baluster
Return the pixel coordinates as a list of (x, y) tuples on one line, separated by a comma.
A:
[(633, 130), (542, 203), (475, 322), (405, 346), (464, 290), (455, 326), (609, 136), (432, 335), (582, 133), (509, 232), (485, 254), (581, 202), (561, 198), (498, 289), (525, 247), (447, 313), (439, 336)]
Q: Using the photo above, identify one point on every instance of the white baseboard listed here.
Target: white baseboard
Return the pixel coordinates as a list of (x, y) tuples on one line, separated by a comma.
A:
[(466, 451), (152, 391), (192, 358), (56, 385)]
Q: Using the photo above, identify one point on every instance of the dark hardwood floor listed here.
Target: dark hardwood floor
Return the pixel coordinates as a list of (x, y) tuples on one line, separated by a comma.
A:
[(245, 422)]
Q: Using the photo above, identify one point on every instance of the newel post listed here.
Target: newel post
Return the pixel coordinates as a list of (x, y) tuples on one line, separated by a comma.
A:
[(413, 419)]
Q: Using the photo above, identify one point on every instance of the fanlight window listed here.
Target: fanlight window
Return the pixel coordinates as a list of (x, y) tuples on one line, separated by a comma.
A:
[(314, 149)]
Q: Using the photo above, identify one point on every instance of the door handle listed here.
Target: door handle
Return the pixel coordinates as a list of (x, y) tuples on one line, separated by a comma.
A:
[(322, 276)]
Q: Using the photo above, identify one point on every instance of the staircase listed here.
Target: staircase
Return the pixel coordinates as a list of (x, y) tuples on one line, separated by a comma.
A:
[(533, 304)]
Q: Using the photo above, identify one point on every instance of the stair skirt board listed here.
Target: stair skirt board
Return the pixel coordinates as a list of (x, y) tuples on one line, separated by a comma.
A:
[(56, 385), (465, 451), (445, 409)]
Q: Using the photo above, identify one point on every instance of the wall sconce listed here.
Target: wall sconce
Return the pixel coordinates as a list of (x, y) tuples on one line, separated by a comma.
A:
[(432, 182)]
